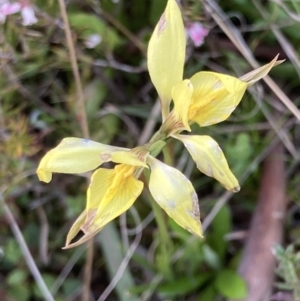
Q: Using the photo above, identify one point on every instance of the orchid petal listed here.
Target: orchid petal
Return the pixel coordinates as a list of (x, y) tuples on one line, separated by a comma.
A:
[(210, 159), (175, 194), (75, 155), (75, 228), (72, 233), (215, 97), (254, 76), (122, 193), (177, 120), (111, 192), (182, 94), (166, 54)]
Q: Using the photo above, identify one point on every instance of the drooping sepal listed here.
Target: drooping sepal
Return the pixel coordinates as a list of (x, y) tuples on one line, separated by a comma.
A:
[(176, 195), (76, 155), (210, 159)]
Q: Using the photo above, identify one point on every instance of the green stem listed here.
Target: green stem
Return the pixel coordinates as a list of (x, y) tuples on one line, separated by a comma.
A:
[(157, 144), (168, 157), (166, 245)]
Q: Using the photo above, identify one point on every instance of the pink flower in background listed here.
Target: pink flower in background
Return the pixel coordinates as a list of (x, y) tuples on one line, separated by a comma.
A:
[(7, 8), (197, 33)]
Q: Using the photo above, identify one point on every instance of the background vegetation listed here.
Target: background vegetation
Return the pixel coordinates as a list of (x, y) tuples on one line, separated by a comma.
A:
[(135, 258)]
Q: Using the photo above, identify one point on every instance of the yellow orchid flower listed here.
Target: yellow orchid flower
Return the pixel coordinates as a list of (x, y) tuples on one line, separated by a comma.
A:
[(206, 98), (112, 192), (214, 96)]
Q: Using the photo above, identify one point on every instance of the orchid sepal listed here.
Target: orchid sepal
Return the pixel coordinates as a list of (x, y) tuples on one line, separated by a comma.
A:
[(166, 54), (209, 159), (175, 194), (76, 155)]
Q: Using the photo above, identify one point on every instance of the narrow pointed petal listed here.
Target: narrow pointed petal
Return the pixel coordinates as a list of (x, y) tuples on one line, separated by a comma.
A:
[(105, 178), (215, 97), (80, 241), (210, 159), (75, 155), (166, 54), (176, 195), (254, 76), (76, 227), (111, 192), (177, 120)]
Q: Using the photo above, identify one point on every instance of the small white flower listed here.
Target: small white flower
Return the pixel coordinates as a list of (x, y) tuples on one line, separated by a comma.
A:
[(93, 40), (28, 16)]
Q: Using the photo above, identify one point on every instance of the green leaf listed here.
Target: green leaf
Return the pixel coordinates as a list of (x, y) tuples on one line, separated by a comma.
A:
[(182, 286), (76, 205), (239, 153), (241, 2), (12, 252), (221, 226), (110, 243), (231, 285), (94, 93), (107, 127), (71, 285), (209, 293), (139, 289), (19, 293), (211, 257), (16, 277), (88, 24), (222, 222)]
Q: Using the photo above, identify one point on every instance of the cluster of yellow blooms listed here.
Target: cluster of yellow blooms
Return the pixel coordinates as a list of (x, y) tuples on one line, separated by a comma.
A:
[(206, 98)]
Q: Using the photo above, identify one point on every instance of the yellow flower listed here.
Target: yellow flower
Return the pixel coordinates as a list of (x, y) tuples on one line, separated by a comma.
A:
[(206, 98), (112, 191)]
